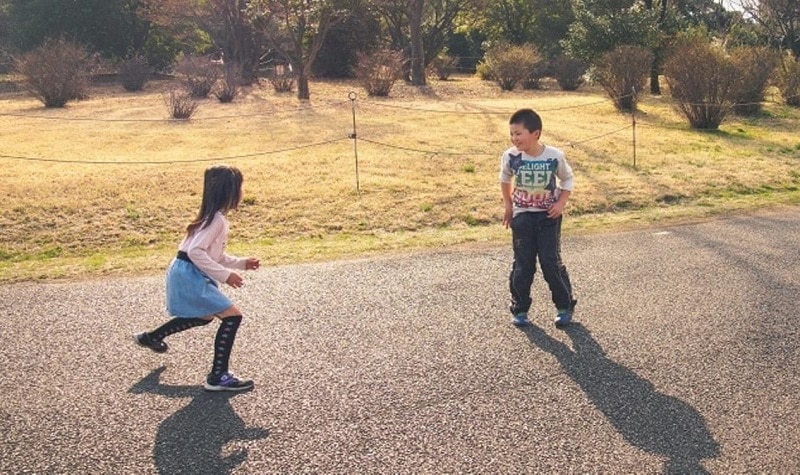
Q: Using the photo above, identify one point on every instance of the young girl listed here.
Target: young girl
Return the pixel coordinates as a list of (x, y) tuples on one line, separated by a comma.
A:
[(193, 295)]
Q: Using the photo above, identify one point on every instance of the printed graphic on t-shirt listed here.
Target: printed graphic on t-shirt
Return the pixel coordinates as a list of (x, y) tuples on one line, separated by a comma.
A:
[(534, 181)]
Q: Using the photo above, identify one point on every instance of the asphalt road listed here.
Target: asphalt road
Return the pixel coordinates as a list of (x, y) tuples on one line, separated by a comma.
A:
[(685, 360)]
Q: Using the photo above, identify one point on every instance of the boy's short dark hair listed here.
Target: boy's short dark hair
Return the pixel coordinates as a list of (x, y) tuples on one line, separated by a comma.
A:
[(528, 118)]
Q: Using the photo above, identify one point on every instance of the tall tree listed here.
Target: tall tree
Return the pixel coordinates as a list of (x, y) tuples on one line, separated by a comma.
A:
[(226, 22), (6, 23), (296, 29), (236, 35), (415, 10), (659, 7), (110, 27), (601, 25), (541, 22), (357, 32), (779, 18), (421, 28)]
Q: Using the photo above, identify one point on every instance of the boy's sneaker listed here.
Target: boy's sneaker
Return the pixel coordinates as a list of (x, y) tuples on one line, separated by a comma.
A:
[(145, 340), (228, 382), (563, 318), (521, 320)]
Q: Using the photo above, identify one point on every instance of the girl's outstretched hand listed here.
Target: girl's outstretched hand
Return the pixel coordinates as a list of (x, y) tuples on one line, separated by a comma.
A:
[(252, 263), (234, 280)]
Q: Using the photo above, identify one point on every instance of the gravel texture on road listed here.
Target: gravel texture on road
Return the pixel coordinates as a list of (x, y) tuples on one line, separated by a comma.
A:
[(684, 359)]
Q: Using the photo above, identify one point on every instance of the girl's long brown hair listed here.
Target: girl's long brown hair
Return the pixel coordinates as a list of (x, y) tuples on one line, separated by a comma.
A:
[(222, 191)]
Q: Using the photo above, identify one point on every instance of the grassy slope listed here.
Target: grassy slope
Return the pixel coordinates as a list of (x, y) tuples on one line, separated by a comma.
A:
[(427, 171)]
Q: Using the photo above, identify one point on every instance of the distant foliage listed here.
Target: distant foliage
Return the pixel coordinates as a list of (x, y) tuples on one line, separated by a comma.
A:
[(200, 74), (789, 81), (181, 104), (569, 73), (509, 65), (282, 78), (702, 81), (56, 72), (754, 66), (134, 73), (623, 74), (378, 71)]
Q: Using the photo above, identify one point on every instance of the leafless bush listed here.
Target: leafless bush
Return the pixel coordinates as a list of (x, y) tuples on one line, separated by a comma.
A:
[(702, 81), (443, 66), (789, 81), (181, 104), (282, 78), (134, 73), (56, 72), (6, 61), (623, 74), (377, 72), (754, 66), (569, 73), (534, 78), (200, 74), (227, 89), (511, 65)]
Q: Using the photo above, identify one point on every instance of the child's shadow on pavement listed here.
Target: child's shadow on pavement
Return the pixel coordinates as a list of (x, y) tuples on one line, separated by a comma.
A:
[(192, 439), (647, 419)]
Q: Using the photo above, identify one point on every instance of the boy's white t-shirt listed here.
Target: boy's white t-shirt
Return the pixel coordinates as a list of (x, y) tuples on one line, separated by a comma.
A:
[(206, 249), (538, 180)]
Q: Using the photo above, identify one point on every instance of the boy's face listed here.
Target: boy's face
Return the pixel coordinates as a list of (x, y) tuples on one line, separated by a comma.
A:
[(525, 140)]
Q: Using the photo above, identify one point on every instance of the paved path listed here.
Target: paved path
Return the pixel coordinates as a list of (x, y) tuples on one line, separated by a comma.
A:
[(685, 360)]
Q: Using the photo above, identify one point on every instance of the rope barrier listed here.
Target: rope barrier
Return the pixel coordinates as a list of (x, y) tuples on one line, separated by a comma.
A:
[(483, 112), (163, 162), (193, 119)]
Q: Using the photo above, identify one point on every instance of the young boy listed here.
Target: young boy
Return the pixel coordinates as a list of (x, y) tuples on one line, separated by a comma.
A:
[(536, 182)]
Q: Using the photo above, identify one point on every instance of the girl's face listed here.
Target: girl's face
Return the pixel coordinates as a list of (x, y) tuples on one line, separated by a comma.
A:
[(525, 140)]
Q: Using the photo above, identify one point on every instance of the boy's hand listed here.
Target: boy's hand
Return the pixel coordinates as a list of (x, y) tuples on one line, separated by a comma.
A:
[(555, 210), (252, 263), (234, 280), (508, 214)]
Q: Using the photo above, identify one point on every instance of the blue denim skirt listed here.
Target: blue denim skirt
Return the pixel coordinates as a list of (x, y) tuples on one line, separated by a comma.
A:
[(191, 293)]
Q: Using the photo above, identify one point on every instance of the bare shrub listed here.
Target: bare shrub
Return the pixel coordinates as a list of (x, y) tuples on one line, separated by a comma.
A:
[(200, 73), (378, 71), (483, 72), (510, 65), (6, 62), (789, 81), (134, 73), (181, 104), (282, 78), (227, 89), (534, 78), (443, 66), (56, 72), (702, 81), (623, 74), (569, 73), (754, 66)]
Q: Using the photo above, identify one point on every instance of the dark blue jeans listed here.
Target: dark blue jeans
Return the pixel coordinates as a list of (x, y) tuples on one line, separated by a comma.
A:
[(537, 236)]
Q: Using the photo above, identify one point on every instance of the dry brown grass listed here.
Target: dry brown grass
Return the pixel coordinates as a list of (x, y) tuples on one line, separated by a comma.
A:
[(427, 171)]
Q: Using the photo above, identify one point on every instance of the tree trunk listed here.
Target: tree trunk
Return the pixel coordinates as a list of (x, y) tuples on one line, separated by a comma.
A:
[(303, 91), (417, 51), (655, 85)]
